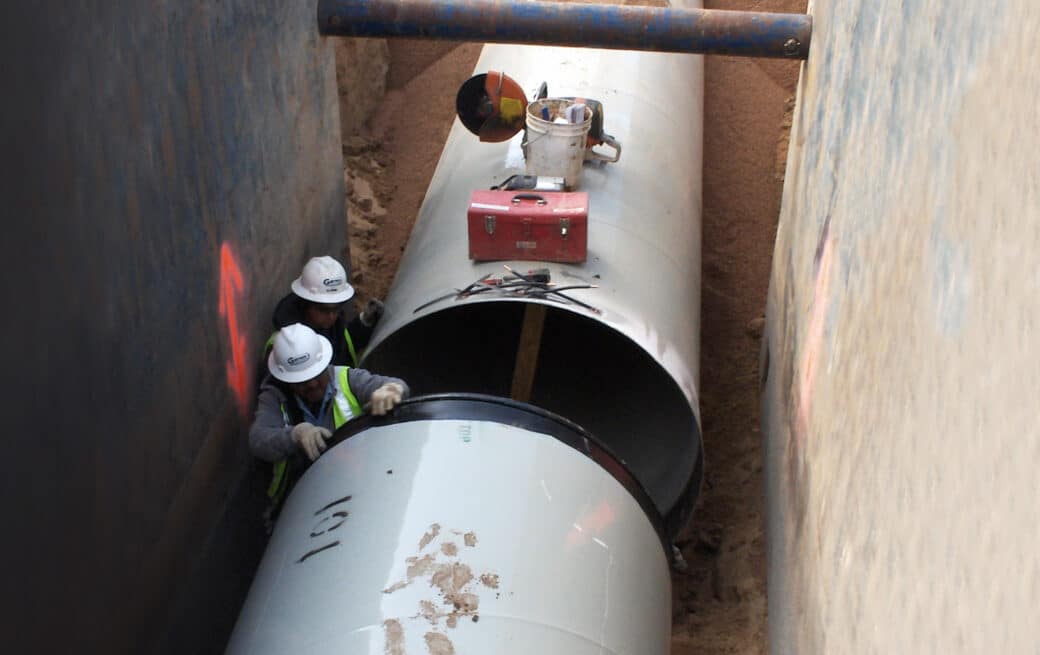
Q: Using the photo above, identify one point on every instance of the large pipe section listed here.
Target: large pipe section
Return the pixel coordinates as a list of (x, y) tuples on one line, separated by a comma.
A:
[(466, 524), (627, 370), (462, 525), (623, 27)]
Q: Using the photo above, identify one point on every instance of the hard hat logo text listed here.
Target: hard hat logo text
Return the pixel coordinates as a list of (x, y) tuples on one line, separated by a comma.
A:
[(293, 361), (332, 281)]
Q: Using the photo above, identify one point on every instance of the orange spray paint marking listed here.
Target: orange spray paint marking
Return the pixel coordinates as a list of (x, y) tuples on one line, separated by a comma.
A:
[(232, 286), (813, 345)]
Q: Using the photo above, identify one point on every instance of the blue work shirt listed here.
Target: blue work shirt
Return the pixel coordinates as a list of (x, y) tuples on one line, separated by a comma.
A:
[(330, 391)]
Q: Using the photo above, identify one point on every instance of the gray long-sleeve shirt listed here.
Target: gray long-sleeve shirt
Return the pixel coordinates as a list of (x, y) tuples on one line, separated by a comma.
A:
[(271, 440)]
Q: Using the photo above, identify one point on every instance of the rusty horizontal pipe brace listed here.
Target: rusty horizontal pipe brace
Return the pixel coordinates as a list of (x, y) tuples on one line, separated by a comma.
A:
[(617, 27)]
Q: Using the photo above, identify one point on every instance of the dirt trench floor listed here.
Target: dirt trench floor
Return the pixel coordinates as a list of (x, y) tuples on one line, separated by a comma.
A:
[(719, 603)]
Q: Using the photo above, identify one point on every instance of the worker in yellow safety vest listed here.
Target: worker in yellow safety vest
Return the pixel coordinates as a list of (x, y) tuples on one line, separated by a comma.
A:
[(320, 299), (305, 398)]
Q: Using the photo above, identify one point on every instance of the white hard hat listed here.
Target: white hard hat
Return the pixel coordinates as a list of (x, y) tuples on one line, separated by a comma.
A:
[(299, 354), (323, 280)]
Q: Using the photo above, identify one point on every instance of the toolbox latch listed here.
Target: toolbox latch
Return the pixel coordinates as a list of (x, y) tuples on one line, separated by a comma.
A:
[(489, 224), (565, 227)]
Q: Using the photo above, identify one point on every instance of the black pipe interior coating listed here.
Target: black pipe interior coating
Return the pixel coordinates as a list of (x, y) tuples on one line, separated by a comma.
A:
[(586, 372)]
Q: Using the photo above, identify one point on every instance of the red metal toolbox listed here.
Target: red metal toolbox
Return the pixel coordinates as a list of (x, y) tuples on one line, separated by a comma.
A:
[(546, 226)]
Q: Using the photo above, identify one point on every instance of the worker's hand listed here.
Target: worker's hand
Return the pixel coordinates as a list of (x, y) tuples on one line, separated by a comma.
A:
[(372, 312), (386, 398), (310, 438)]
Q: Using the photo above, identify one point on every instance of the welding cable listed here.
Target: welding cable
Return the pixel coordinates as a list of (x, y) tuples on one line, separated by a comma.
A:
[(564, 300), (572, 287), (453, 294), (543, 293), (577, 302)]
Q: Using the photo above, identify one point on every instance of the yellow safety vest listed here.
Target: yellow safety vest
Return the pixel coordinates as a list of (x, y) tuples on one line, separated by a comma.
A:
[(345, 406)]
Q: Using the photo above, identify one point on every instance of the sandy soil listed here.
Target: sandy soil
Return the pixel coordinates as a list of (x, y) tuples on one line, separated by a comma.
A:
[(390, 163), (719, 603)]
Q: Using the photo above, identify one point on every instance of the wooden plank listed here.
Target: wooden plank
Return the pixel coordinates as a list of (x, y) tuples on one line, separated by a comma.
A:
[(527, 352)]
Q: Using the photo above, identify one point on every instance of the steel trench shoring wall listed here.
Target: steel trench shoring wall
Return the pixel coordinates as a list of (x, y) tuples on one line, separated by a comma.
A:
[(661, 29)]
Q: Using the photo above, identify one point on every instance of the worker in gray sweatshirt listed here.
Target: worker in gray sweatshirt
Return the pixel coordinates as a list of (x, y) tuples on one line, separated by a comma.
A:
[(305, 399)]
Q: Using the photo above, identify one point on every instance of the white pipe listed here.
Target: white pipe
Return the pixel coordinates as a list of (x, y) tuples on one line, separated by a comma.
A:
[(461, 535), (639, 355)]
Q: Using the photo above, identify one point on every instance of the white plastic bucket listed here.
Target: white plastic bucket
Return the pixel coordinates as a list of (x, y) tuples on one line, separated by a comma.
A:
[(555, 149)]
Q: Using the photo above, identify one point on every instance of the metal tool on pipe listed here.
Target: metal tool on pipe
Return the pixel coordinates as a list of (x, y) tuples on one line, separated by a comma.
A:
[(616, 27)]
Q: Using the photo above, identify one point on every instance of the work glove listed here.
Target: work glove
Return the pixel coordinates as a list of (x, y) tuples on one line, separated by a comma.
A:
[(372, 312), (310, 438), (386, 398)]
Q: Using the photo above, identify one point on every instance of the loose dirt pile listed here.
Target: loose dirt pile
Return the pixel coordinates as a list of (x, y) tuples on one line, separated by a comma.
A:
[(390, 162), (719, 602)]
